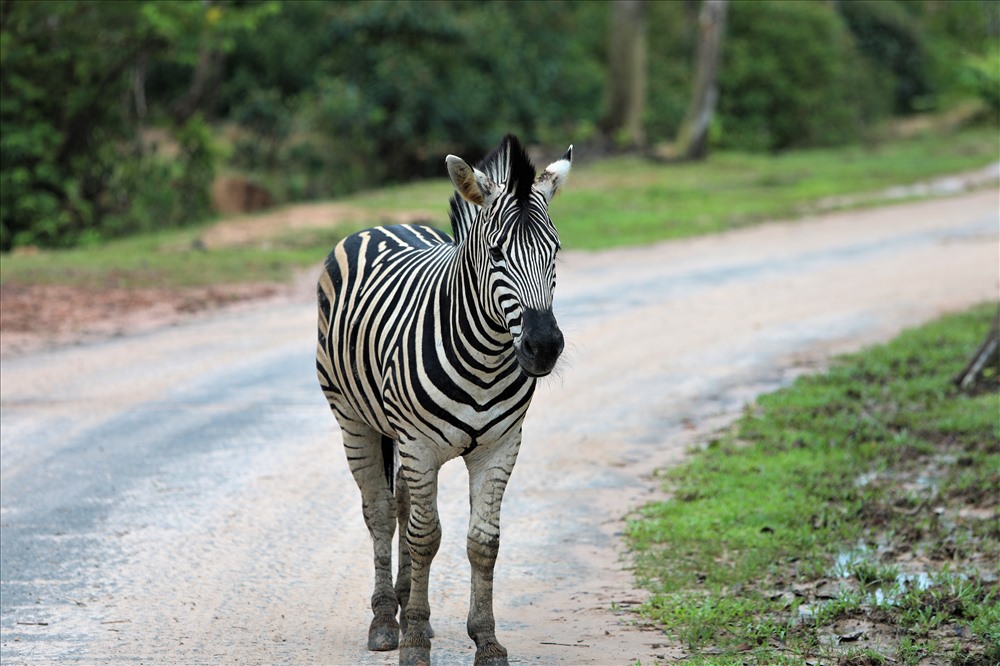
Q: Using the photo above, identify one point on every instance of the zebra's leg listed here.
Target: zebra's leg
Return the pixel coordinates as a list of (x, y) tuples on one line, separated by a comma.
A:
[(489, 471), (403, 572), (365, 457), (423, 536)]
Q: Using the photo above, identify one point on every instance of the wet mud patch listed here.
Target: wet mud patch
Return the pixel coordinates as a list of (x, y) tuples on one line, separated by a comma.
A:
[(914, 588), (921, 585)]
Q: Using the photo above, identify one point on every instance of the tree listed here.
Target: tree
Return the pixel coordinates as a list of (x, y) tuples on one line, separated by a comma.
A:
[(986, 359), (692, 138), (626, 98)]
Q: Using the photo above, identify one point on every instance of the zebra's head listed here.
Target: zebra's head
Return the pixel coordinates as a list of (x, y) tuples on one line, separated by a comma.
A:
[(513, 241)]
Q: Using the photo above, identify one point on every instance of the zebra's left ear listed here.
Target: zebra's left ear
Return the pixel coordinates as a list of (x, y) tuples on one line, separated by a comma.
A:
[(555, 175), (472, 184)]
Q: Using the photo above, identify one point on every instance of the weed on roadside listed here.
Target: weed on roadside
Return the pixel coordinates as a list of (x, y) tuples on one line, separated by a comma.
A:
[(851, 518)]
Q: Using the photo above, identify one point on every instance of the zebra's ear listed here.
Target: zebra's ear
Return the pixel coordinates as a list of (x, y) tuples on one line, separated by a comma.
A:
[(472, 184), (555, 175)]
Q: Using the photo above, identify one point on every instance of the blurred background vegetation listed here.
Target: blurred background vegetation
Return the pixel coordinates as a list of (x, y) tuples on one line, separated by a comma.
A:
[(118, 117)]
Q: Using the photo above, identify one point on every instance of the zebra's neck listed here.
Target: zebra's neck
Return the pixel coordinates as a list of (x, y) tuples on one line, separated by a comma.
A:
[(477, 327)]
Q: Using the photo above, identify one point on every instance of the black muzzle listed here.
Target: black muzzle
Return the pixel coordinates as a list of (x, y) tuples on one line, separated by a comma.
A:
[(541, 342)]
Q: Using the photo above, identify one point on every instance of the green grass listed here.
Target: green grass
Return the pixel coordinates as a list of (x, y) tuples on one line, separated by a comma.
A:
[(627, 201), (867, 493), (171, 259), (618, 201)]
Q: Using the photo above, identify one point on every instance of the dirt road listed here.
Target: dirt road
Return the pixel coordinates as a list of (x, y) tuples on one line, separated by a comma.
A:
[(179, 496)]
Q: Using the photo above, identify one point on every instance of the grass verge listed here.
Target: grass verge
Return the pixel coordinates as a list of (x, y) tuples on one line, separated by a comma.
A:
[(172, 259), (619, 201), (851, 518), (627, 201)]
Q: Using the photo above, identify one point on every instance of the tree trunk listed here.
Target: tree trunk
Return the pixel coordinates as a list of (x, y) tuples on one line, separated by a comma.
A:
[(692, 139), (207, 73), (987, 356), (139, 85), (626, 100)]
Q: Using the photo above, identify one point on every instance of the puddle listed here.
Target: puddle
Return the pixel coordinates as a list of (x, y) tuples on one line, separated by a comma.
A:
[(920, 580), (848, 559), (924, 483), (881, 592)]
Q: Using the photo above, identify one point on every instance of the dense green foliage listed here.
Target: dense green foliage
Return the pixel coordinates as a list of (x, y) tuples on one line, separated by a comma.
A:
[(393, 87), (871, 475), (890, 36), (769, 98), (116, 115), (74, 166)]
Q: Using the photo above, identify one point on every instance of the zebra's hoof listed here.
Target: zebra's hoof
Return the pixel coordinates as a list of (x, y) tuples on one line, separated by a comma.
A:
[(415, 656), (383, 635), (491, 654)]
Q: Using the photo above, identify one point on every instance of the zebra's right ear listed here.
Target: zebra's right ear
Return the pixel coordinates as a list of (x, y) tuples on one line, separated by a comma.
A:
[(472, 184)]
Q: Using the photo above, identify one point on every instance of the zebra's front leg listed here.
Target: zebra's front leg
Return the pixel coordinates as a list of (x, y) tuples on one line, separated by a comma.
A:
[(365, 456), (403, 570), (489, 471), (423, 536)]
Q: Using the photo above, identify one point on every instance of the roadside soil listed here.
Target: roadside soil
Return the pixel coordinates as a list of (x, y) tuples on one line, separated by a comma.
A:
[(34, 316)]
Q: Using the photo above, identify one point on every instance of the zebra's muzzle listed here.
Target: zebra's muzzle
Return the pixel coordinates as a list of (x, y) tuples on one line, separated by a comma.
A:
[(540, 344)]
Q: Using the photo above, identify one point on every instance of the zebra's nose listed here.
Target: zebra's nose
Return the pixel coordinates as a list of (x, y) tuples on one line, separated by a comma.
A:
[(541, 342)]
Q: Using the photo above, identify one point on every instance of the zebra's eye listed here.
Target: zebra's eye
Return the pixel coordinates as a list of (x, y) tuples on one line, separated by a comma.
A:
[(496, 254)]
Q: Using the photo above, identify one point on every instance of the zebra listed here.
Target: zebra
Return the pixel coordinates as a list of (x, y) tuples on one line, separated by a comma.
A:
[(429, 348)]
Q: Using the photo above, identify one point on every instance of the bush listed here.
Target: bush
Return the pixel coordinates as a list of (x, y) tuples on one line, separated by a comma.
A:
[(396, 86), (791, 77), (888, 34), (72, 164), (60, 63), (159, 187), (672, 41), (980, 75)]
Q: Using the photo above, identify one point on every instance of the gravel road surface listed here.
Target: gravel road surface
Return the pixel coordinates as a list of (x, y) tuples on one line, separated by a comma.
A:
[(180, 496)]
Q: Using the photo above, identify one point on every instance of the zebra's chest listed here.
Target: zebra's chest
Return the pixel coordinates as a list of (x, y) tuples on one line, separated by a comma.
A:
[(413, 361), (451, 405)]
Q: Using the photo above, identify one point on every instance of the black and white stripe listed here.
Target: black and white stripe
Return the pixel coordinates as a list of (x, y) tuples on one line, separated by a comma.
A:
[(430, 345)]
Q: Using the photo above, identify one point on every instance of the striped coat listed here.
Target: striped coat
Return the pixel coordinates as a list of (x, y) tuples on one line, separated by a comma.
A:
[(429, 348)]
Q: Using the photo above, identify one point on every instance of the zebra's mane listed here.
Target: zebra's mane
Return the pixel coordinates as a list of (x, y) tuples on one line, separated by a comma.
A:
[(507, 165)]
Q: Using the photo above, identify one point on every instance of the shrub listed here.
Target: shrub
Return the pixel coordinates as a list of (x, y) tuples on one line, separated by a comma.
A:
[(672, 41), (791, 77), (158, 187), (72, 164), (888, 34), (980, 75), (396, 86)]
